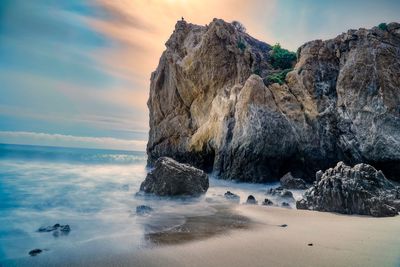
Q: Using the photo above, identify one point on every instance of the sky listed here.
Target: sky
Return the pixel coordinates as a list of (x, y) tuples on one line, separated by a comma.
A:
[(77, 72)]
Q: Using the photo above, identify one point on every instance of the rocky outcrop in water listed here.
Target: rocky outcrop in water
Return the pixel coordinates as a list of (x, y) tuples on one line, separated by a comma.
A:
[(143, 210), (35, 252), (358, 190), (232, 197), (209, 105), (171, 178), (57, 229)]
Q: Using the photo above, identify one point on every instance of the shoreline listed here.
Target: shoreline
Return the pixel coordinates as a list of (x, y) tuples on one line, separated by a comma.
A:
[(337, 240)]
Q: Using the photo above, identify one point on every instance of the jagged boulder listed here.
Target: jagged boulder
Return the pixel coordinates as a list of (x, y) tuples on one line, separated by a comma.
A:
[(359, 190), (171, 178), (289, 182), (209, 105)]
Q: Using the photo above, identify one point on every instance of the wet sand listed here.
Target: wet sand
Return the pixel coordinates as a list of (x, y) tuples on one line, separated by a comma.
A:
[(198, 228), (337, 240)]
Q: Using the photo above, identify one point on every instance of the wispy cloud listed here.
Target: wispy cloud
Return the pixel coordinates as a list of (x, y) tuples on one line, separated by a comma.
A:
[(82, 67), (45, 139)]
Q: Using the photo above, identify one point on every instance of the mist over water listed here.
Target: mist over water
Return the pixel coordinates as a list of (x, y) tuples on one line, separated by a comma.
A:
[(95, 192)]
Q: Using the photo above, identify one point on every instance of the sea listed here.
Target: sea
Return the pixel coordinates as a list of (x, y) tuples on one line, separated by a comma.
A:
[(95, 192)]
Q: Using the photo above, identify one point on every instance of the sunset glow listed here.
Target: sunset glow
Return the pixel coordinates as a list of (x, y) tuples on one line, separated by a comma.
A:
[(95, 58)]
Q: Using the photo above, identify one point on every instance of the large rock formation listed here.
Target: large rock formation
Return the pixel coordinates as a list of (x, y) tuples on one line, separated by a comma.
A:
[(358, 190), (171, 178), (210, 107)]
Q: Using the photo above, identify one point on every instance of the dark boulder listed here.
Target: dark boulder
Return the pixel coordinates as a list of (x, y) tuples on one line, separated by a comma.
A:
[(143, 210), (251, 200), (359, 190), (267, 202), (281, 192), (171, 178), (35, 252), (290, 182), (232, 196), (285, 204)]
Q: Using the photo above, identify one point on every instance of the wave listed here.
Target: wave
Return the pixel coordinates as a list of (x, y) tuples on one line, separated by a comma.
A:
[(71, 155)]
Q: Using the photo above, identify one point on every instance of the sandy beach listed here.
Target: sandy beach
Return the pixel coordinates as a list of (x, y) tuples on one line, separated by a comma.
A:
[(337, 240)]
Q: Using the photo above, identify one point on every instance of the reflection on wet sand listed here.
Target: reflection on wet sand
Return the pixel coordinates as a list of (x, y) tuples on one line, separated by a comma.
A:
[(200, 227)]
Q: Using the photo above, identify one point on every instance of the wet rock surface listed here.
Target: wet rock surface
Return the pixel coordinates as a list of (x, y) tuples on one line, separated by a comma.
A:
[(232, 197), (251, 200), (267, 202), (143, 210), (281, 192), (290, 182), (57, 229), (35, 252), (209, 106), (352, 190), (171, 178)]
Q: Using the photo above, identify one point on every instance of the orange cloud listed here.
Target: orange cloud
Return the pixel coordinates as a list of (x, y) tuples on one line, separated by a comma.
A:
[(140, 29)]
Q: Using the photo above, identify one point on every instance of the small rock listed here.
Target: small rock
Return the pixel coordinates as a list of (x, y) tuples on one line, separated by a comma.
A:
[(283, 225), (65, 228), (281, 192), (46, 229), (267, 202), (143, 210), (232, 196), (50, 228), (290, 182), (57, 229), (251, 200), (310, 244), (285, 204), (35, 252)]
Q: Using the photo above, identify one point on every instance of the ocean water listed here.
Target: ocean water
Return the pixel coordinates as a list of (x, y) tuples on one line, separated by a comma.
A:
[(95, 192)]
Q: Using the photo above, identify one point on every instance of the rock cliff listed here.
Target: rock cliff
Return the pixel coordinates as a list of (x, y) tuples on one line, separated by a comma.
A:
[(209, 105)]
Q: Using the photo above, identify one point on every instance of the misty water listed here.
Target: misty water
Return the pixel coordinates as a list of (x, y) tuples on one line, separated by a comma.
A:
[(95, 192)]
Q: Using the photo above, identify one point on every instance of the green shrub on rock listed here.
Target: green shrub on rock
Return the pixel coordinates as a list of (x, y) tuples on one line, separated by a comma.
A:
[(382, 26), (278, 77), (282, 58)]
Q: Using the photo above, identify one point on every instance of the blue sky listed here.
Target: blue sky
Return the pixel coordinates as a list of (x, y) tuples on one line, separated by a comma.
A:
[(78, 71)]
